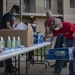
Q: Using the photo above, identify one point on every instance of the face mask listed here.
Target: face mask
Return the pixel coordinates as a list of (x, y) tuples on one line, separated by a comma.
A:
[(56, 29), (14, 14), (34, 25)]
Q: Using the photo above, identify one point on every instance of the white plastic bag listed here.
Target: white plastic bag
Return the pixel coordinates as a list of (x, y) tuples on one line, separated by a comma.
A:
[(21, 26)]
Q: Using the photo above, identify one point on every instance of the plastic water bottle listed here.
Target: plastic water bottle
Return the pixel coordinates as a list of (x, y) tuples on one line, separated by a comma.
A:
[(9, 42), (0, 47), (13, 42), (3, 42), (18, 42)]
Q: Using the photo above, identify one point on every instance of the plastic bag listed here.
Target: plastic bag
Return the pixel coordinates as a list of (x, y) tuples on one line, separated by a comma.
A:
[(21, 26)]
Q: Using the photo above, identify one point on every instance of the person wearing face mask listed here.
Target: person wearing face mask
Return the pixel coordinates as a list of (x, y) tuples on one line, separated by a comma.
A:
[(30, 54), (59, 43), (6, 23), (34, 26), (67, 29)]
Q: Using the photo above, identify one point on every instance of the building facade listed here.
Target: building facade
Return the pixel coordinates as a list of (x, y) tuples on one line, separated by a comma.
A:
[(36, 10)]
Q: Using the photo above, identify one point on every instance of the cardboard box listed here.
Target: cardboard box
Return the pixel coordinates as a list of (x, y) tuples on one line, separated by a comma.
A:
[(0, 47), (25, 35), (38, 39), (59, 54)]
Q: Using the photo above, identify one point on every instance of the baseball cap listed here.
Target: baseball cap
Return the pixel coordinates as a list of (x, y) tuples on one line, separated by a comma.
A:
[(60, 17), (55, 22), (17, 8)]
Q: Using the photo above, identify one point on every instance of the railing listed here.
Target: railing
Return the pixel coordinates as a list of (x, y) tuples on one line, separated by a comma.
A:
[(32, 8), (38, 9)]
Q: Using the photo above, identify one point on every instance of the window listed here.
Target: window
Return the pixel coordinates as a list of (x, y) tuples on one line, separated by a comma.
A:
[(47, 4), (72, 3), (27, 1), (60, 6)]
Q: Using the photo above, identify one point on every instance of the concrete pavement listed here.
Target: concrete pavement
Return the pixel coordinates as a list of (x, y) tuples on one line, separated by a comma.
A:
[(37, 69)]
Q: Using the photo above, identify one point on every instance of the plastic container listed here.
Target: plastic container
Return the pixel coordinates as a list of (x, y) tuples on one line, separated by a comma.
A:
[(9, 42), (13, 42), (18, 42), (2, 42)]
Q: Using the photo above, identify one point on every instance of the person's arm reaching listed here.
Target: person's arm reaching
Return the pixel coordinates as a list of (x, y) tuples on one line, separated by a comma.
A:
[(53, 42), (47, 32), (8, 25)]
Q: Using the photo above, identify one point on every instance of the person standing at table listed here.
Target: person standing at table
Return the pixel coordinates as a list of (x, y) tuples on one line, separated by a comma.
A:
[(47, 23), (6, 23), (31, 53), (67, 29), (34, 26)]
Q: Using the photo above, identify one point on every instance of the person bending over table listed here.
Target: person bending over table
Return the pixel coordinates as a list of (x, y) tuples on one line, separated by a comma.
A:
[(67, 29)]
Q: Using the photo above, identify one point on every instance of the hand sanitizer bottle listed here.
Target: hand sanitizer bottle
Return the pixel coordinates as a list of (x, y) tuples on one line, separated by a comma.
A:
[(13, 42), (0, 46), (9, 42), (18, 42), (3, 42)]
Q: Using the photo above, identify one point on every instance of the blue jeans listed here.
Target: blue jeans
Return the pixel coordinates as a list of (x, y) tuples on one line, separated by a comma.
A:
[(59, 63)]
